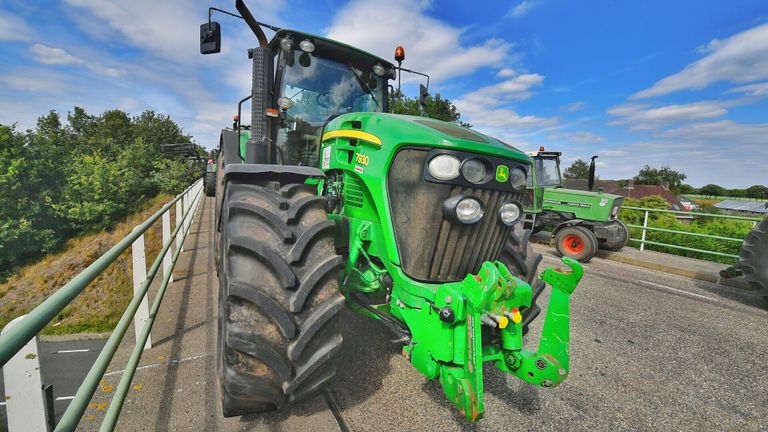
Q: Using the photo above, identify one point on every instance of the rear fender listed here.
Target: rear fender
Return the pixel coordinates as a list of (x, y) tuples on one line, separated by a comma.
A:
[(570, 223)]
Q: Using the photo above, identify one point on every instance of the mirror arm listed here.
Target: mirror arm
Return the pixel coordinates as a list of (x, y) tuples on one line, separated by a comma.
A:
[(414, 72), (248, 18)]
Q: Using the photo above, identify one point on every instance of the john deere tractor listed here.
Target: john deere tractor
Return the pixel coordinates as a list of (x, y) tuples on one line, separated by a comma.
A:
[(327, 200), (583, 221)]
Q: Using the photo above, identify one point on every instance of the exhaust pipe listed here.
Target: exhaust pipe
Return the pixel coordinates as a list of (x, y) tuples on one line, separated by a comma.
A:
[(591, 184)]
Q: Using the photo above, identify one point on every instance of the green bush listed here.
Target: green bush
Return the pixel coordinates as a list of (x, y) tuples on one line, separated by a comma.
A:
[(699, 225), (63, 179)]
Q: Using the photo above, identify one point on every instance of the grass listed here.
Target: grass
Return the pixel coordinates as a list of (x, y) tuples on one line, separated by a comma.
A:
[(99, 307)]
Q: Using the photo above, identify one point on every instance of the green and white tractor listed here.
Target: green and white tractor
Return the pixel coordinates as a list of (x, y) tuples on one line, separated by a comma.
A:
[(209, 176), (582, 221), (327, 200)]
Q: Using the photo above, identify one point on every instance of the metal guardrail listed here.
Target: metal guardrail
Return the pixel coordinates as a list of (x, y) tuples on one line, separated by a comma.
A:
[(647, 228), (25, 330)]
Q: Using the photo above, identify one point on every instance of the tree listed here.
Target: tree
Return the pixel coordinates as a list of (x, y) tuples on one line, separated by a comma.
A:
[(434, 107), (579, 169), (660, 176), (712, 190), (758, 191), (686, 189)]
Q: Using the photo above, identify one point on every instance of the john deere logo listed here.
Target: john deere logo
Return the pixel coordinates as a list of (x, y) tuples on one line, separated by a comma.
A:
[(502, 173)]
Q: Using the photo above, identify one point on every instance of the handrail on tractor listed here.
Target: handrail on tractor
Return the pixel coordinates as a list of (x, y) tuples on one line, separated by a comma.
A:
[(14, 338), (646, 228)]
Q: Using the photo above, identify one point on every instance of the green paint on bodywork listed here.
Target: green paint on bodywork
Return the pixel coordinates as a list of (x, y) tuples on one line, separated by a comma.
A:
[(451, 350), (593, 206)]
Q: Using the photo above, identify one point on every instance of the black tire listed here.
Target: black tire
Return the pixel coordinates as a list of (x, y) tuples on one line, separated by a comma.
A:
[(581, 243), (620, 242), (209, 184), (523, 262), (279, 296), (754, 258)]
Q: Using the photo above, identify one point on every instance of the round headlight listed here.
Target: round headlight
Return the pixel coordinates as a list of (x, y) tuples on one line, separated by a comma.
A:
[(509, 213), (286, 44), (306, 46), (469, 210), (517, 178), (473, 170), (379, 69), (444, 167)]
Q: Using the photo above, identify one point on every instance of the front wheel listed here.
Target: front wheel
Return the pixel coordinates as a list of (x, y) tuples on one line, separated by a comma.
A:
[(576, 242), (279, 296), (209, 184), (620, 241)]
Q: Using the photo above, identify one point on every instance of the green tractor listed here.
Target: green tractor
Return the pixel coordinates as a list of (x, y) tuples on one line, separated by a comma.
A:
[(327, 200), (583, 221), (209, 176)]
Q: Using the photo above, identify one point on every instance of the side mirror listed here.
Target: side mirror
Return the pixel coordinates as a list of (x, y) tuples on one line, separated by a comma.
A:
[(210, 38), (423, 95)]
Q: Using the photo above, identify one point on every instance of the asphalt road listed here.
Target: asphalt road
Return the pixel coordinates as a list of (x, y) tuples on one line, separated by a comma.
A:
[(649, 351), (64, 365)]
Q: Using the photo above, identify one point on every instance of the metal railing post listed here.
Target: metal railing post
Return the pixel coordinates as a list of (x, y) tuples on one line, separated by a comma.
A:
[(645, 225), (139, 276), (24, 398), (167, 238), (179, 216)]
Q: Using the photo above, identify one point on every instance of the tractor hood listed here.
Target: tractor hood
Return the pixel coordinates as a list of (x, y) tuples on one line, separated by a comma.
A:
[(583, 194), (393, 130)]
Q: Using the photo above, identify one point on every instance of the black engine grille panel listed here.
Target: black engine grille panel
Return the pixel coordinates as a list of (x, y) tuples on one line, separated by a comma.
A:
[(432, 248)]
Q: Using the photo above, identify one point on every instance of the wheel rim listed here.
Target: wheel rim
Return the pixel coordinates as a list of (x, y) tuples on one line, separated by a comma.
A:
[(573, 244)]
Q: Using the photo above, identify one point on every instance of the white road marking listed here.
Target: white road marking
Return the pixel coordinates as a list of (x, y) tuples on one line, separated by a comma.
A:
[(71, 351), (2, 403), (677, 290), (62, 398), (167, 362)]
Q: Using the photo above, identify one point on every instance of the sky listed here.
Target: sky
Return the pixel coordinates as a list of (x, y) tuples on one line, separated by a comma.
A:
[(681, 83)]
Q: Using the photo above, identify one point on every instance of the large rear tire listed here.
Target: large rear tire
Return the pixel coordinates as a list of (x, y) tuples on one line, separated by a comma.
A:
[(523, 262), (279, 298), (620, 242), (754, 258), (209, 184)]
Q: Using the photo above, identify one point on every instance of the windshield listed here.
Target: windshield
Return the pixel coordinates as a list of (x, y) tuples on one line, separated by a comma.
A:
[(320, 89), (547, 172)]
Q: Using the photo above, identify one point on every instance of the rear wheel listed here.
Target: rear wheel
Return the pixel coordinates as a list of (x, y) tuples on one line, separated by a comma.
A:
[(754, 258), (620, 242), (523, 262), (279, 298), (209, 184), (576, 242)]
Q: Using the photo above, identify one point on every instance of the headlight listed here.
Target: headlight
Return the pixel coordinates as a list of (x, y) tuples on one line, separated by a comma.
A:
[(469, 210), (517, 178), (510, 213), (444, 167), (473, 170)]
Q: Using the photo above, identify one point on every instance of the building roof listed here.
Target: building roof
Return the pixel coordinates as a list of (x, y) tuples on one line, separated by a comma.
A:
[(744, 206), (642, 191)]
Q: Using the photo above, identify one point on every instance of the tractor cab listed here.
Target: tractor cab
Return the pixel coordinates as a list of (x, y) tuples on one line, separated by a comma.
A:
[(546, 168), (316, 80)]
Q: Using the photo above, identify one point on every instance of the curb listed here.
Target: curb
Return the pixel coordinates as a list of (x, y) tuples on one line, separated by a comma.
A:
[(714, 278)]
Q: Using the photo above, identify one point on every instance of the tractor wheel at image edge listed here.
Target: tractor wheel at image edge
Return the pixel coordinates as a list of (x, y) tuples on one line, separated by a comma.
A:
[(754, 258), (620, 242), (279, 296), (576, 242), (209, 184), (523, 262)]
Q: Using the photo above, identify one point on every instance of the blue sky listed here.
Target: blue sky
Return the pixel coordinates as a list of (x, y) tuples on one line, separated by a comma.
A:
[(681, 83)]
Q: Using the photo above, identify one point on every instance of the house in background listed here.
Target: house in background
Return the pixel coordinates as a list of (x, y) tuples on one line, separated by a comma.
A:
[(689, 204), (641, 191), (747, 208)]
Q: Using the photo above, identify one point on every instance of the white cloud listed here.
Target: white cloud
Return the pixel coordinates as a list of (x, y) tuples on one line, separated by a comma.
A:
[(758, 89), (13, 27), (582, 137), (723, 132), (643, 116), (57, 56), (573, 106), (521, 9), (741, 58), (430, 45), (506, 73)]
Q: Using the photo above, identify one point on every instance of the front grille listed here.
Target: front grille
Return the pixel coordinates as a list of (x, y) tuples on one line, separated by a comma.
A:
[(431, 247), (461, 249)]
